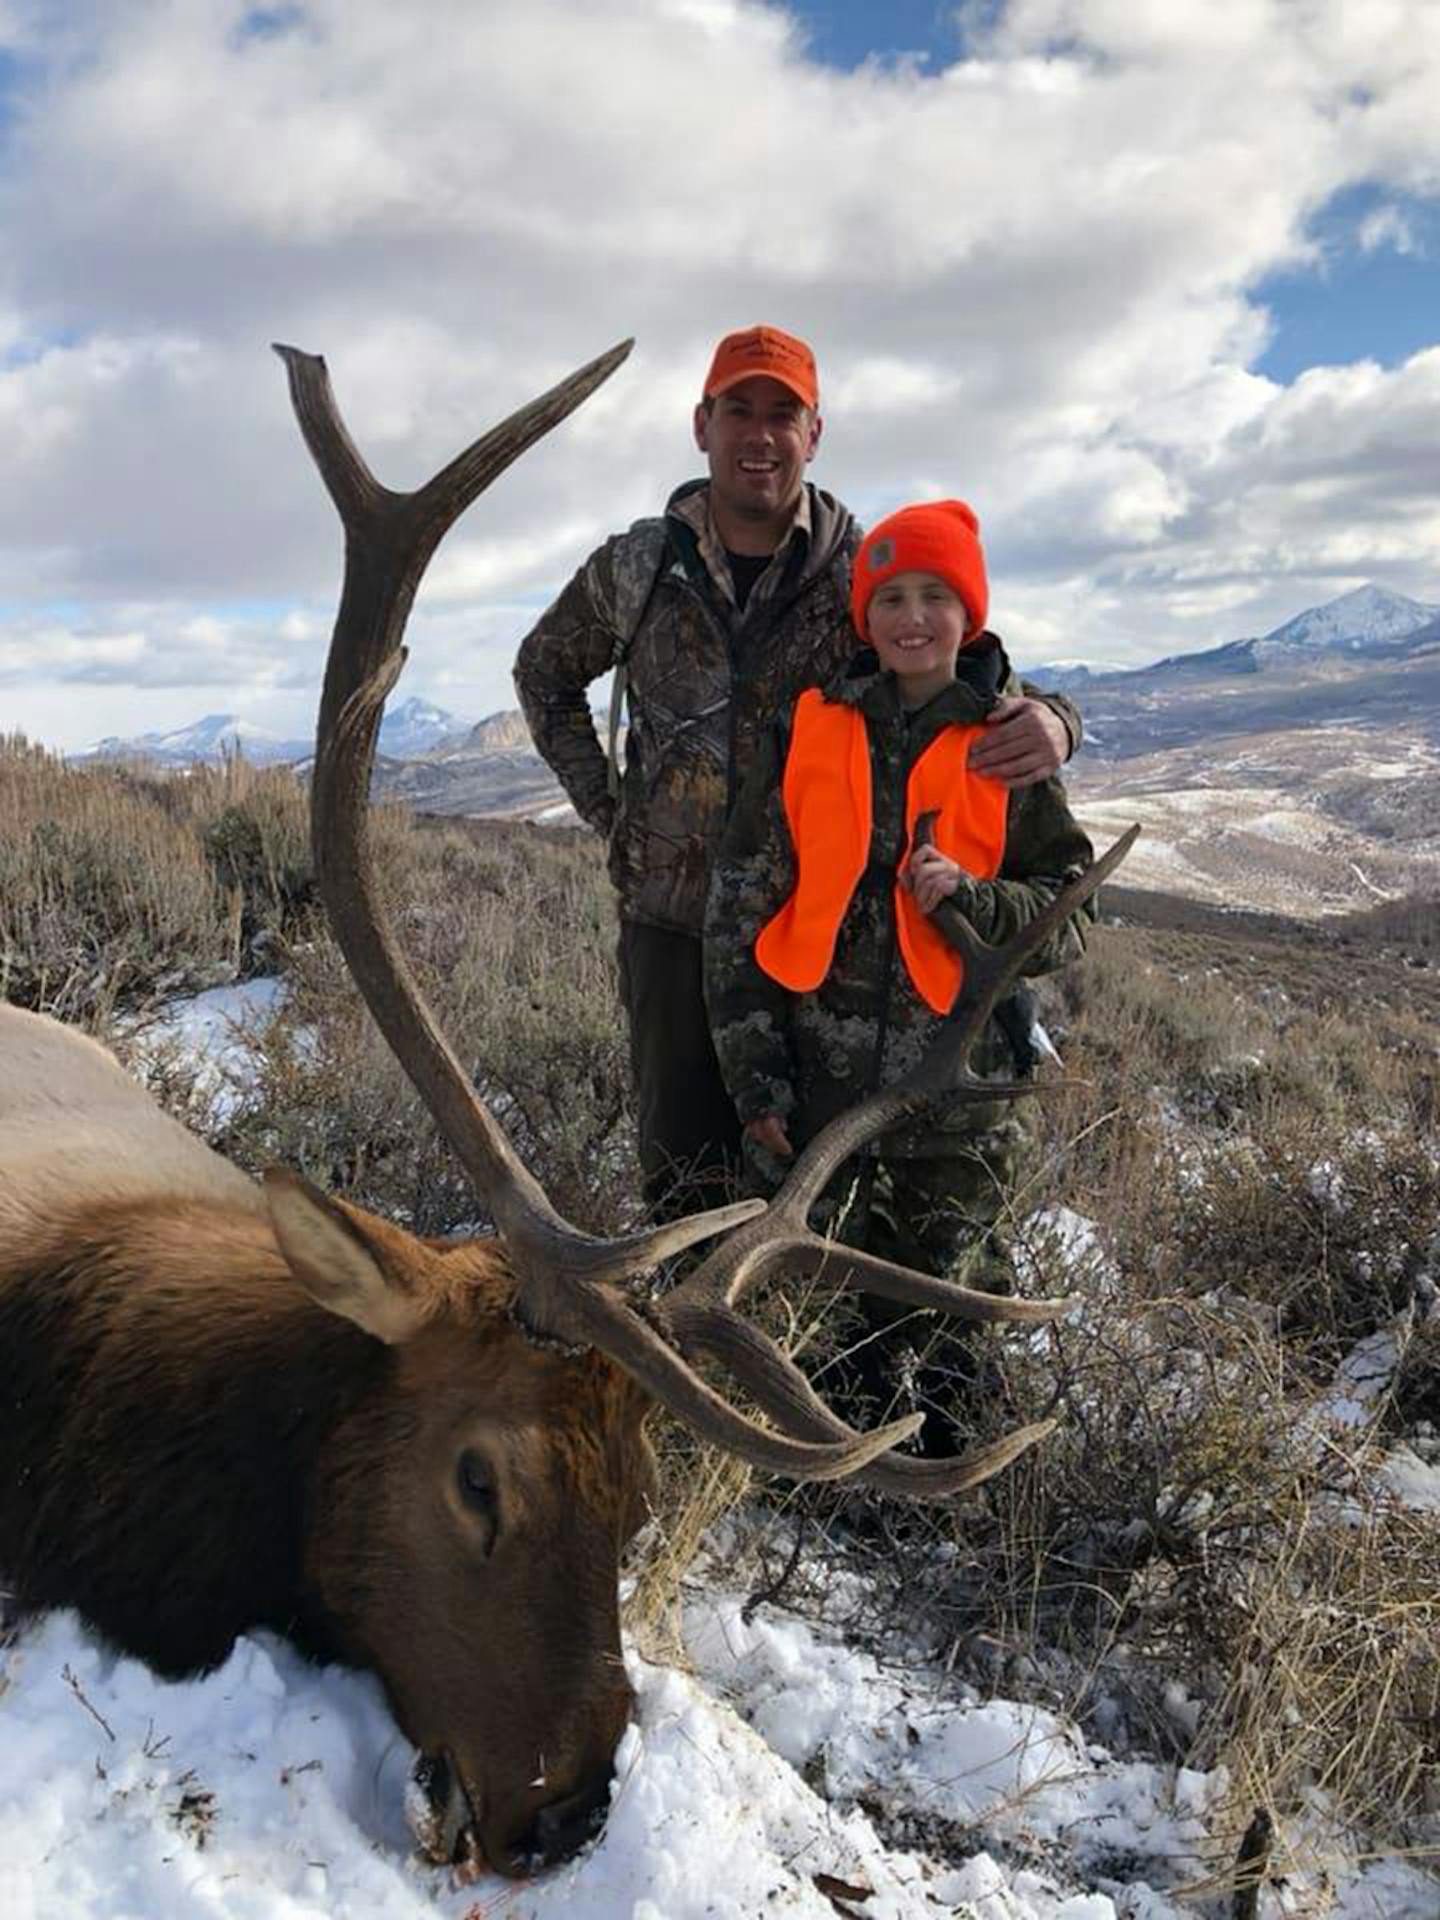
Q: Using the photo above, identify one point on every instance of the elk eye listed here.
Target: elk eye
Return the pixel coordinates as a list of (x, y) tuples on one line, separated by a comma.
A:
[(477, 1485)]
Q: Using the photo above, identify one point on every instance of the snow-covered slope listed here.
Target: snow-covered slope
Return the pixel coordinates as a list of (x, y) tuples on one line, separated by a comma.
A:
[(415, 727), (1355, 621), (212, 738), (411, 729)]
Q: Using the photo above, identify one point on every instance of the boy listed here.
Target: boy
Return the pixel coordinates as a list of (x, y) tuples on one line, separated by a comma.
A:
[(827, 962)]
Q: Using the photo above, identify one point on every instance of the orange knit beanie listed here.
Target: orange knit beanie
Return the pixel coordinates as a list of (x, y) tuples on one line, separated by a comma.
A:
[(938, 536)]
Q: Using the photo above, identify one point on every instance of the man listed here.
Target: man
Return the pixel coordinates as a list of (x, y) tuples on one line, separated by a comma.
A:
[(717, 615)]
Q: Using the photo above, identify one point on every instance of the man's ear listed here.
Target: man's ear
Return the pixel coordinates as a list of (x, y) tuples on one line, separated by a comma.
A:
[(817, 427), (702, 427)]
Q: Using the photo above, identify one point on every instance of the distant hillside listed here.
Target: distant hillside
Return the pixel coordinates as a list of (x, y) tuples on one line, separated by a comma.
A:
[(412, 728), (214, 738), (1368, 623), (504, 732)]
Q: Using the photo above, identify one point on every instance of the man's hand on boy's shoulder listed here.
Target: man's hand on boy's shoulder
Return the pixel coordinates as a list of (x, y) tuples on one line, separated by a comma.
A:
[(1025, 741)]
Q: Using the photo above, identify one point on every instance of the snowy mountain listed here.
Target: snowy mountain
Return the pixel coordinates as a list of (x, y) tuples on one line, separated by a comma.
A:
[(410, 730), (1355, 622), (1382, 647), (1369, 621), (417, 726), (213, 738)]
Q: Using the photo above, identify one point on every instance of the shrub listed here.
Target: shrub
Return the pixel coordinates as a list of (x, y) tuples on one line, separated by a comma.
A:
[(104, 895)]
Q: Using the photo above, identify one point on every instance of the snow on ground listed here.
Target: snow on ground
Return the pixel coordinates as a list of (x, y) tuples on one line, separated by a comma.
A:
[(211, 1031), (1413, 1481), (771, 1780), (271, 1790)]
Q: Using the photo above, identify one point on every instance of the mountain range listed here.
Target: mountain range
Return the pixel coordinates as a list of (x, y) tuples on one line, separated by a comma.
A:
[(1367, 627), (1369, 623), (1297, 771), (409, 730), (1370, 659)]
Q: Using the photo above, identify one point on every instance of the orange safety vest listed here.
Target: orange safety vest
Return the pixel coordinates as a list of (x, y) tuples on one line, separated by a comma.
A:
[(827, 799)]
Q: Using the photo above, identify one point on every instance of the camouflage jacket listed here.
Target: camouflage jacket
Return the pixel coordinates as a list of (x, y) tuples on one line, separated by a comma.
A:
[(810, 1055), (704, 681)]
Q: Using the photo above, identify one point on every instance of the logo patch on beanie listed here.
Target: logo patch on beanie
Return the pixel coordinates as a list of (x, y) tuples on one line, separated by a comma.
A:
[(882, 555)]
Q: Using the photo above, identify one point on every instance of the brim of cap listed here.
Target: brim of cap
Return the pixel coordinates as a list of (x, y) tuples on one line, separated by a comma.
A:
[(761, 373)]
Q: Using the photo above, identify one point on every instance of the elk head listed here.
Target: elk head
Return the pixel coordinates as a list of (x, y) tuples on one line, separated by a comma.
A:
[(518, 1470)]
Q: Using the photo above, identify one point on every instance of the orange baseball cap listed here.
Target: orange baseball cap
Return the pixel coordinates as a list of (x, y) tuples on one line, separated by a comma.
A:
[(770, 353)]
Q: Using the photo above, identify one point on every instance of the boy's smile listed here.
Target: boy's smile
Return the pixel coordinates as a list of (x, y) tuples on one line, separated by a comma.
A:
[(917, 625)]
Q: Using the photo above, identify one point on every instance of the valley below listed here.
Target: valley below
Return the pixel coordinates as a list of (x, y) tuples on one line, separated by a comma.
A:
[(1302, 822)]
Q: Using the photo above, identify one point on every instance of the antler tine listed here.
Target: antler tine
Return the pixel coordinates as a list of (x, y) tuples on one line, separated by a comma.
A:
[(809, 1255), (389, 540), (701, 1315), (989, 971), (612, 1323), (781, 1390)]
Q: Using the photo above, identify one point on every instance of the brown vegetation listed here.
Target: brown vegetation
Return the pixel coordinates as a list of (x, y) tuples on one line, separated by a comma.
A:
[(118, 882), (1197, 1564)]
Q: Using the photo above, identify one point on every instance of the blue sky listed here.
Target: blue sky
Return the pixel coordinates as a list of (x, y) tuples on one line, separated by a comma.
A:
[(1378, 300), (843, 33), (1157, 289)]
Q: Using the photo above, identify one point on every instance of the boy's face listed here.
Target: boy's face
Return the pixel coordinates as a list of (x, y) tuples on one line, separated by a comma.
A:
[(917, 625)]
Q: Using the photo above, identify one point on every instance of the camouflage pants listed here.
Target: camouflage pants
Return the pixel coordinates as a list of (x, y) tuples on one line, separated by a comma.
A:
[(945, 1216)]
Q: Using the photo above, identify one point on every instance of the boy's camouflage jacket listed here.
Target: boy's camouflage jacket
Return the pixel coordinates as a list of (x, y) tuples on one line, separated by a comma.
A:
[(808, 1056), (705, 681)]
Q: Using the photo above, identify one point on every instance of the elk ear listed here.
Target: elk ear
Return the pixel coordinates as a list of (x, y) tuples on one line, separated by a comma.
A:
[(344, 1260)]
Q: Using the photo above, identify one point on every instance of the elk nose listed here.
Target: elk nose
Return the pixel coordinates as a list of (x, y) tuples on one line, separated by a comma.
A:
[(563, 1827)]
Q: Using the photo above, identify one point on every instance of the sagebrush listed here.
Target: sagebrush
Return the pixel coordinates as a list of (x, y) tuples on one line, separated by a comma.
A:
[(1237, 1175)]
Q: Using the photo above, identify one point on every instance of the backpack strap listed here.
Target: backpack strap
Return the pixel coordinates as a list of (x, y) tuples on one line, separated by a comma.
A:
[(646, 547)]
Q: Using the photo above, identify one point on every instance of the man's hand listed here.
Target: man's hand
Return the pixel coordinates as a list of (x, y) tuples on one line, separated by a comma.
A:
[(1026, 741), (768, 1131)]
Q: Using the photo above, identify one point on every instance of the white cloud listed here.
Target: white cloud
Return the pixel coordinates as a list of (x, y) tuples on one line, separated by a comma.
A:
[(1387, 226), (1030, 279)]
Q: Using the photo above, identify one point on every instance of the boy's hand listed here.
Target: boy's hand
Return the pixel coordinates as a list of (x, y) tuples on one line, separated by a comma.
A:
[(931, 877), (768, 1131), (1026, 742)]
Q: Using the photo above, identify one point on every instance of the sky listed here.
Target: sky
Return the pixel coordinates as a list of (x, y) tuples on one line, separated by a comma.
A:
[(1156, 290)]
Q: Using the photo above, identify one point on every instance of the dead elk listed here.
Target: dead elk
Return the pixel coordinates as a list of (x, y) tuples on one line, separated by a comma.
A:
[(225, 1407)]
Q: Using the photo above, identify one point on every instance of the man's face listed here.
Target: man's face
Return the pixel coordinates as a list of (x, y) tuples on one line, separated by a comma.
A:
[(759, 437)]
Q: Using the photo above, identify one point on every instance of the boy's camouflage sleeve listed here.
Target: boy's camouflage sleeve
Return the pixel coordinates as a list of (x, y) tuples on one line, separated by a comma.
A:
[(751, 878), (571, 645), (1044, 847)]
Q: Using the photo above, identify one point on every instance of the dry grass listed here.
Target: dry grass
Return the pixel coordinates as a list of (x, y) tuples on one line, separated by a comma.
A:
[(511, 936), (1196, 1565), (118, 885), (1331, 1699)]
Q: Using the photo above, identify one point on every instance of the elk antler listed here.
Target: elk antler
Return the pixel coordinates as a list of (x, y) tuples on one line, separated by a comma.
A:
[(570, 1284), (700, 1317)]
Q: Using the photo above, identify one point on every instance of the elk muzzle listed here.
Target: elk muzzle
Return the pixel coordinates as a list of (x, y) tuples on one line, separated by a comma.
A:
[(510, 1829)]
